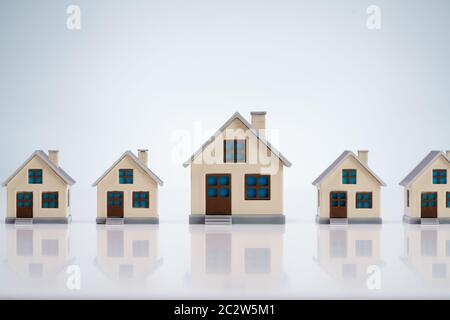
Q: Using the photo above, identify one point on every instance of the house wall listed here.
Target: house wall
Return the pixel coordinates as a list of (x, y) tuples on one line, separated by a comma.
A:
[(365, 182), (238, 170), (424, 183), (141, 182), (51, 183)]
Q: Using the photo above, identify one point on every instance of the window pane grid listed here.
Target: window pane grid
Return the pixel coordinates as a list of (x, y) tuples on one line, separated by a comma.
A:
[(338, 199), (35, 176), (364, 200), (429, 200), (439, 176), (115, 198), (218, 186), (126, 176), (234, 151), (349, 176), (141, 199), (257, 187), (50, 200)]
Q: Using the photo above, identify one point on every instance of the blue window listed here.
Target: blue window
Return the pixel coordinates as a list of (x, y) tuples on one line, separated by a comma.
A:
[(115, 198), (448, 199), (218, 186), (429, 200), (141, 199), (349, 176), (257, 187), (24, 199), (35, 176), (126, 176), (50, 200), (338, 199), (364, 200), (439, 176), (234, 151)]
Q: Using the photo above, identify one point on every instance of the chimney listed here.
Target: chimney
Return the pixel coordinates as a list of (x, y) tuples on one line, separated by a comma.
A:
[(143, 156), (259, 121), (363, 156), (53, 155)]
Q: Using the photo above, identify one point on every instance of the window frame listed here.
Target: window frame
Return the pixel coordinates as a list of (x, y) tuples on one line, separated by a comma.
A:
[(257, 186), (50, 200), (370, 200), (32, 173), (141, 199), (447, 199), (408, 198), (440, 174), (126, 176), (235, 150), (348, 171)]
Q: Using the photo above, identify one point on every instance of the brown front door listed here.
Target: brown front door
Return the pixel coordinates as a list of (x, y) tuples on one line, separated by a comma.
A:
[(24, 205), (429, 205), (115, 204), (218, 194), (338, 204)]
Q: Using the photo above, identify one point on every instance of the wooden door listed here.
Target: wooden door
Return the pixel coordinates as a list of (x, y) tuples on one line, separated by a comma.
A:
[(115, 204), (24, 205), (218, 194), (338, 204), (429, 205)]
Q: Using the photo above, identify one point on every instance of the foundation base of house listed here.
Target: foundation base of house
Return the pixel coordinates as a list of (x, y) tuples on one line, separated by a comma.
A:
[(321, 220), (413, 220), (244, 219), (132, 220), (39, 220)]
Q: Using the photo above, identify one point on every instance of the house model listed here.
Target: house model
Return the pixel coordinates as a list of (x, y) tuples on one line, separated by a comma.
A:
[(237, 175), (128, 191), (427, 192), (39, 191), (348, 191)]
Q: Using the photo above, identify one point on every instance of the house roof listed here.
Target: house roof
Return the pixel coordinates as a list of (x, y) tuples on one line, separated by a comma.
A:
[(428, 160), (235, 116), (44, 157), (338, 161), (138, 162)]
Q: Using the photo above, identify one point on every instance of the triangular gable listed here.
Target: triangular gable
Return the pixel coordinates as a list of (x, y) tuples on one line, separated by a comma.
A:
[(238, 116), (44, 157), (338, 162), (421, 167), (137, 161)]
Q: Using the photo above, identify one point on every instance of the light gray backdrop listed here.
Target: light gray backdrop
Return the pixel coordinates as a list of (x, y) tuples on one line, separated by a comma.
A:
[(139, 70)]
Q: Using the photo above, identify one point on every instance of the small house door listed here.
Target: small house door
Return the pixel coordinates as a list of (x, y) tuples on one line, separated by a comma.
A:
[(218, 194), (115, 204), (338, 204), (429, 205), (24, 205)]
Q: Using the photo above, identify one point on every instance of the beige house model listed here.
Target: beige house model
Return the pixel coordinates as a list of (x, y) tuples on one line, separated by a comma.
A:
[(237, 175), (427, 191), (128, 191), (38, 191), (348, 191)]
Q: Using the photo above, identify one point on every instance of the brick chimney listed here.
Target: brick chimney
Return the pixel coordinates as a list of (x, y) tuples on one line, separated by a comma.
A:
[(363, 156), (53, 155), (143, 156)]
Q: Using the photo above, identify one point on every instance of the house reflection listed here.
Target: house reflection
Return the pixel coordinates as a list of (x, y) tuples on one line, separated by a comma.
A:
[(128, 253), (39, 253), (346, 252), (427, 252), (238, 256)]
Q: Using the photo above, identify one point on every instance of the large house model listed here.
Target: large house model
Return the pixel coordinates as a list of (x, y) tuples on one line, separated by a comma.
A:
[(39, 191), (128, 191), (427, 191), (349, 191), (237, 175)]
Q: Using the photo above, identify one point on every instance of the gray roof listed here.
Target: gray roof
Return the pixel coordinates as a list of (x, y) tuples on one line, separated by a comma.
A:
[(44, 157), (428, 160), (237, 115), (138, 162), (338, 161)]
